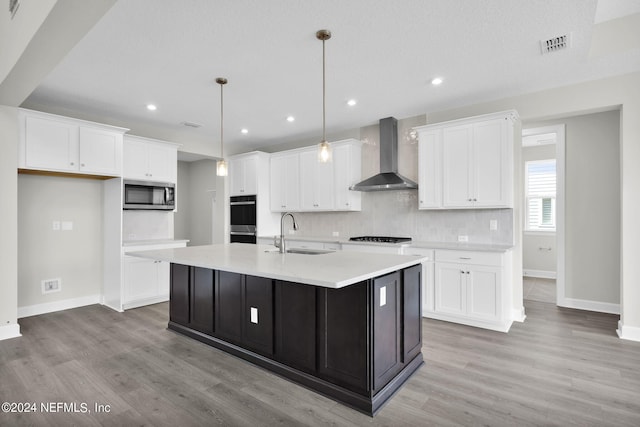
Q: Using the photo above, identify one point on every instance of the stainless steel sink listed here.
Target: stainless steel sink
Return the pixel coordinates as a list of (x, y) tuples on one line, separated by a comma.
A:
[(304, 251)]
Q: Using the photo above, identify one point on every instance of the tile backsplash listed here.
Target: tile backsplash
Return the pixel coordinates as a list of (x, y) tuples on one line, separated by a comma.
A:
[(146, 225), (395, 213)]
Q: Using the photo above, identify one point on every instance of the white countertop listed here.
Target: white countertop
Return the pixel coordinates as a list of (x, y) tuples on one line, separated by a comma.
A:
[(332, 270)]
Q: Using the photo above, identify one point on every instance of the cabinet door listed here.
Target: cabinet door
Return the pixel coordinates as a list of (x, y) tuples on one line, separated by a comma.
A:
[(411, 312), (429, 170), (51, 145), (135, 160), (490, 163), (250, 180), (229, 307), (236, 177), (342, 352), (387, 360), (141, 279), (450, 289), (100, 152), (456, 167), (258, 314), (202, 286), (180, 289), (346, 172), (161, 164), (316, 183), (285, 183), (483, 293), (295, 325)]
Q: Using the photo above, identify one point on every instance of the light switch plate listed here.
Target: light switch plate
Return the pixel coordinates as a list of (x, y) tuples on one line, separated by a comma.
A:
[(383, 296), (67, 225), (254, 315), (463, 238), (493, 224)]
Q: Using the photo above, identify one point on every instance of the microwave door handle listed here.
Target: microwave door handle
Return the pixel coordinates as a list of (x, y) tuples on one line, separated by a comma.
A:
[(166, 195)]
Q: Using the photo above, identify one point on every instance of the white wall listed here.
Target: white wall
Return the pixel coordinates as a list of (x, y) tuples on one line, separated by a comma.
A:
[(8, 223), (539, 250), (74, 256)]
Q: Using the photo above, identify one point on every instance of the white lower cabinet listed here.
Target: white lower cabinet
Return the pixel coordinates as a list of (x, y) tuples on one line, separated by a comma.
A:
[(469, 288), (145, 281)]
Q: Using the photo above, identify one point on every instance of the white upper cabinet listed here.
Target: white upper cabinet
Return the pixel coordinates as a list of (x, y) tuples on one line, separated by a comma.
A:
[(299, 182), (347, 171), (285, 181), (150, 160), (430, 169), (467, 163), (60, 144), (316, 183), (243, 177)]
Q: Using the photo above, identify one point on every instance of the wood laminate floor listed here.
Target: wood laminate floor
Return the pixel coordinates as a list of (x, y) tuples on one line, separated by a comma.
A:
[(560, 367)]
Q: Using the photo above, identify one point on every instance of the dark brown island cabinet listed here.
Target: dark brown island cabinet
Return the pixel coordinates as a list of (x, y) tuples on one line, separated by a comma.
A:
[(357, 344)]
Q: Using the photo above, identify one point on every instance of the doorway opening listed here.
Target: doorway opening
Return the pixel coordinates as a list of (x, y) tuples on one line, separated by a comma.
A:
[(543, 152)]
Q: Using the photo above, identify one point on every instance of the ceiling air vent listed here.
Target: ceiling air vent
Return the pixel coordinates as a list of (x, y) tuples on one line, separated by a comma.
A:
[(191, 125), (555, 43)]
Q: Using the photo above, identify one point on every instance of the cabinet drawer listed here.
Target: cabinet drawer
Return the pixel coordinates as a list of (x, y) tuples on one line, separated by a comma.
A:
[(469, 257)]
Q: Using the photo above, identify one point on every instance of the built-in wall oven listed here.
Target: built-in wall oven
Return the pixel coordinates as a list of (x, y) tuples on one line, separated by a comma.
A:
[(242, 219)]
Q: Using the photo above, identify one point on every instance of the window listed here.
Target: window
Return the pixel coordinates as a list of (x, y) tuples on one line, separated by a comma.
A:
[(540, 194)]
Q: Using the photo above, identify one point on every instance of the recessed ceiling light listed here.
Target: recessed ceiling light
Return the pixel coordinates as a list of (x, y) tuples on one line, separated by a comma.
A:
[(151, 107), (437, 81), (291, 119), (244, 131), (351, 102)]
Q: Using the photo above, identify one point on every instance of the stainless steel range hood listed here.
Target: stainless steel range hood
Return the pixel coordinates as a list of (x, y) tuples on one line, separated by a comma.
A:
[(388, 178)]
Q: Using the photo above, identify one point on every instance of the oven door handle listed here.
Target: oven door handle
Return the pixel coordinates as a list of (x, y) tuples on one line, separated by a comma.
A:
[(241, 203), (239, 233)]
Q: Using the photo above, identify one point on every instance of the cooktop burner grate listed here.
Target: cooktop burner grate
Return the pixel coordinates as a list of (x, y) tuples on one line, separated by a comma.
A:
[(380, 239)]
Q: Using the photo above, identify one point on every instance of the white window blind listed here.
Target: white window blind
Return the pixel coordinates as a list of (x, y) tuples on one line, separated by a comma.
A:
[(540, 193)]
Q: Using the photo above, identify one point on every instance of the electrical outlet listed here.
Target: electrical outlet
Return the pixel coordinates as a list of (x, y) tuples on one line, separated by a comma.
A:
[(463, 238), (336, 233), (51, 285), (493, 224), (56, 225)]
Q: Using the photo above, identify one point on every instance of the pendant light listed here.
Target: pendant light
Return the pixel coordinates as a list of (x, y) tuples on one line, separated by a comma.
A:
[(324, 148), (221, 165)]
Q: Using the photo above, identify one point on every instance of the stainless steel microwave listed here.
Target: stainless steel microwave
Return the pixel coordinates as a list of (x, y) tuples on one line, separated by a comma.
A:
[(149, 195)]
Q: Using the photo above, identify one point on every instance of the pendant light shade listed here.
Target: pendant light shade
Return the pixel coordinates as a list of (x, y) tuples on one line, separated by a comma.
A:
[(221, 165), (324, 148)]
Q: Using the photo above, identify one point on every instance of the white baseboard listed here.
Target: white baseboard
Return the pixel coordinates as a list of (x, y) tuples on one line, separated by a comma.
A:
[(581, 304), (145, 301), (631, 333), (50, 307), (10, 331), (518, 315), (539, 274)]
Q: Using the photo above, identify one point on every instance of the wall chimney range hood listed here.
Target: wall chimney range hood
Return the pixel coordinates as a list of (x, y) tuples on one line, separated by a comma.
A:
[(388, 178)]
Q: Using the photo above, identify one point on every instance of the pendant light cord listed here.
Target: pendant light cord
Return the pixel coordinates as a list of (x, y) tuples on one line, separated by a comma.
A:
[(221, 121), (324, 138)]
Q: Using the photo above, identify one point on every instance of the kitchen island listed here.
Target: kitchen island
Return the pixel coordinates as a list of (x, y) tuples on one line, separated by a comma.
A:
[(344, 324)]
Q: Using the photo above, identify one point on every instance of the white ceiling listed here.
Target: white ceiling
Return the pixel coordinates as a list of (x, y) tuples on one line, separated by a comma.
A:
[(383, 53)]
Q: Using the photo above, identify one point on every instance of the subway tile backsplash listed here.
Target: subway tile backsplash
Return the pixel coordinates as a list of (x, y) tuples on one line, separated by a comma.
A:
[(395, 213)]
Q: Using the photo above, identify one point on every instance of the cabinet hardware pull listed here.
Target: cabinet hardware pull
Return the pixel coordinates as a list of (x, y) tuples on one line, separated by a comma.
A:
[(71, 163), (465, 257)]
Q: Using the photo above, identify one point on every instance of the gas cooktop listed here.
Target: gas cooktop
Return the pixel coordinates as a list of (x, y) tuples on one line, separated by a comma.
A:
[(380, 239)]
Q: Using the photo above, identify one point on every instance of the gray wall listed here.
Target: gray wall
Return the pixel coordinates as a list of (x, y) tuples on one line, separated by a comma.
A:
[(592, 195), (74, 256), (198, 187), (536, 257)]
